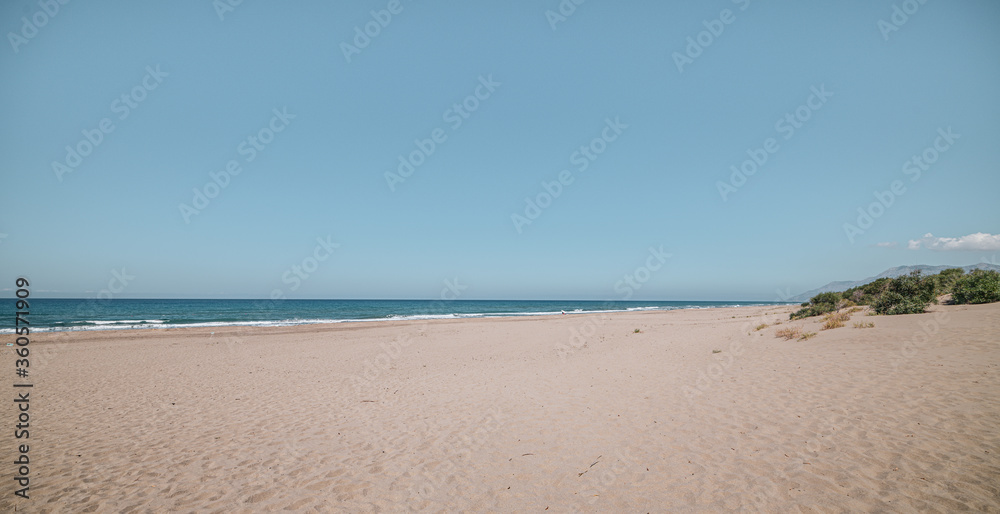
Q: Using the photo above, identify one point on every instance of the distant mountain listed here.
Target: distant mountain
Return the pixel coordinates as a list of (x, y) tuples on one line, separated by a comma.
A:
[(898, 271)]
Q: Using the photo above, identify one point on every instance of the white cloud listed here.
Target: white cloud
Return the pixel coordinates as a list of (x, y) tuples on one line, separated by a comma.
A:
[(889, 244), (972, 242)]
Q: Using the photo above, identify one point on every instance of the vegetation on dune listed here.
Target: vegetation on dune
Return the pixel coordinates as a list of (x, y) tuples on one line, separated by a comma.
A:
[(820, 304), (977, 287), (835, 320), (946, 280), (908, 294), (788, 333)]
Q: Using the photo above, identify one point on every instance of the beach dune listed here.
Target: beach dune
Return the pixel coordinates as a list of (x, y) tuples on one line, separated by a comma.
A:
[(689, 410)]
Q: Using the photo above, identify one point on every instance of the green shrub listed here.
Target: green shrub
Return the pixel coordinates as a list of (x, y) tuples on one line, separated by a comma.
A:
[(866, 294), (909, 294), (914, 286), (819, 304), (814, 310), (825, 298), (980, 286), (946, 280), (891, 303), (876, 287)]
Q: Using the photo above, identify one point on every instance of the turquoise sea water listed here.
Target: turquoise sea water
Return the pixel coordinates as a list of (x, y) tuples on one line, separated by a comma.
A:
[(74, 314)]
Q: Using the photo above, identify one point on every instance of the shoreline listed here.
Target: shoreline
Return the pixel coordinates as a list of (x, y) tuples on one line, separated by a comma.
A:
[(97, 333)]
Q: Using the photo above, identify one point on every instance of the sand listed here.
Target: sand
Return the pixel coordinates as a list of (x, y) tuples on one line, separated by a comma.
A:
[(696, 412)]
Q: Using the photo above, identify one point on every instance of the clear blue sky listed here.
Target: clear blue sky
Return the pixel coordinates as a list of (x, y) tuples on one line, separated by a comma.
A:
[(656, 184)]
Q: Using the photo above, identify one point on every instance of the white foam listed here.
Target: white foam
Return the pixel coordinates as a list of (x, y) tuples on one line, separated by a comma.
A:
[(160, 324), (125, 321)]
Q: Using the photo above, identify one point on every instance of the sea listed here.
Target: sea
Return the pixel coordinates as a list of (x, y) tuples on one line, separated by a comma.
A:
[(44, 314)]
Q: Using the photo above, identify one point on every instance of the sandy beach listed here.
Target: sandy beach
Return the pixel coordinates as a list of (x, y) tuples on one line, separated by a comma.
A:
[(696, 411)]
